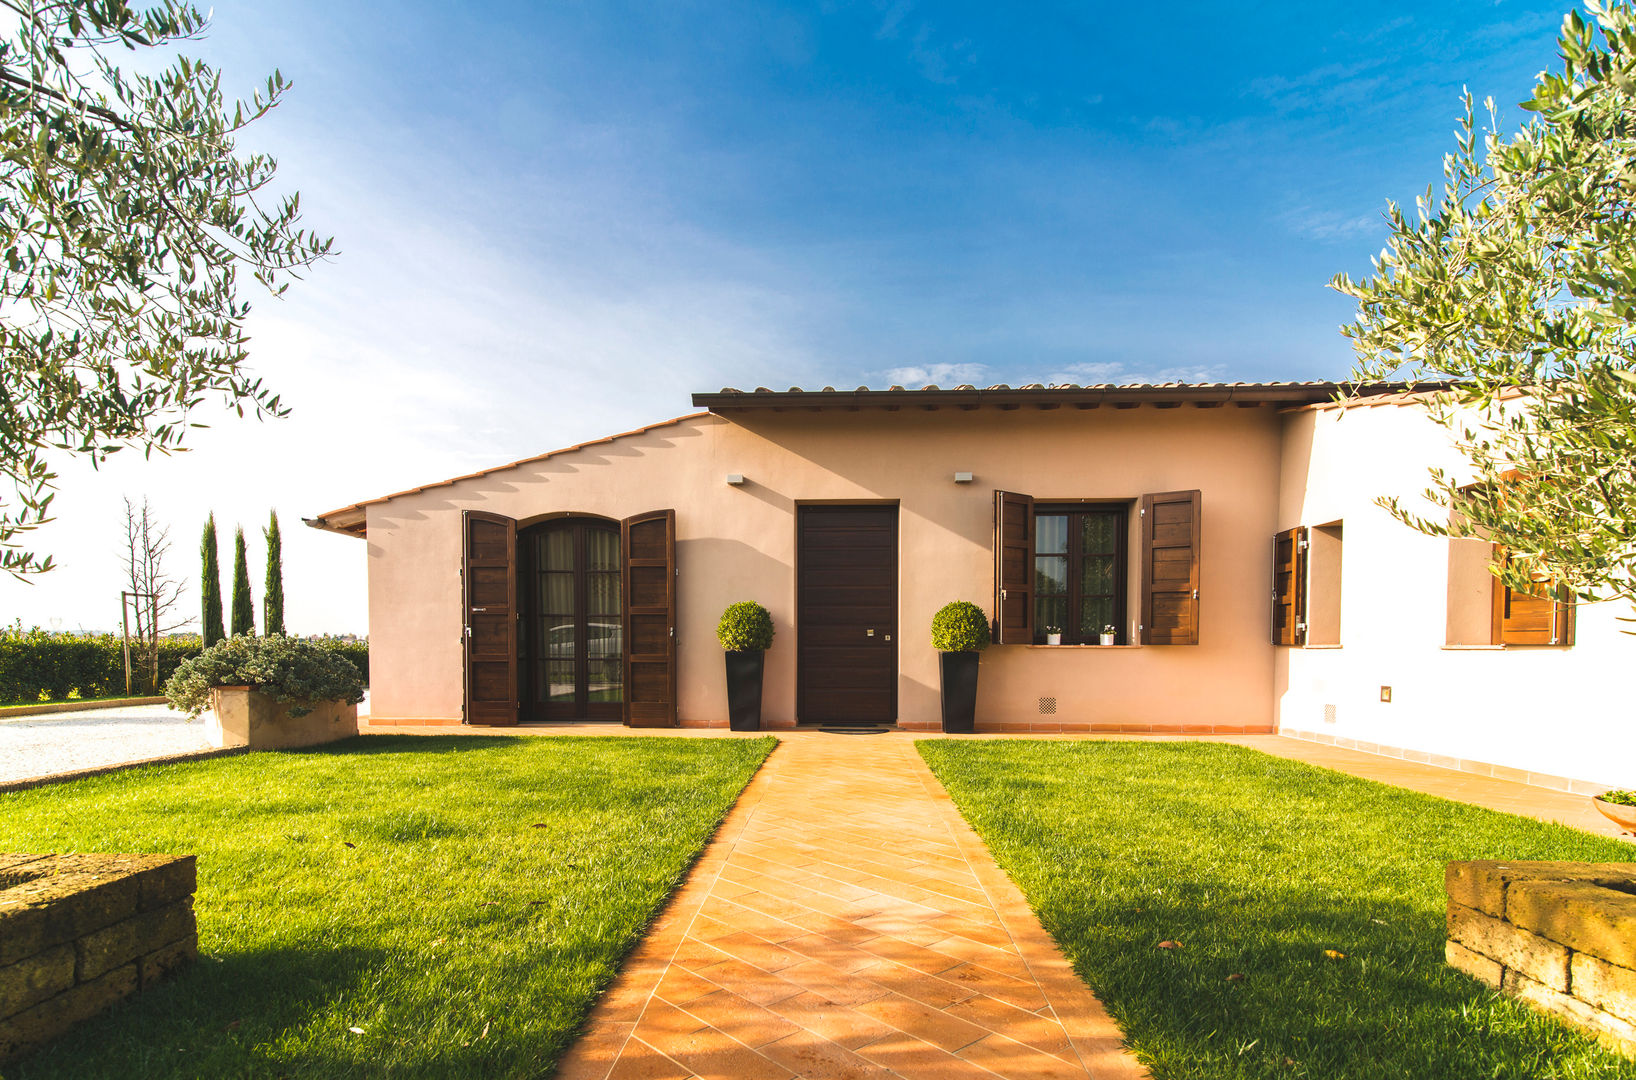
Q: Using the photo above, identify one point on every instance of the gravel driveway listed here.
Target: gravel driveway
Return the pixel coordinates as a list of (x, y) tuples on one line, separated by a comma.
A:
[(66, 742)]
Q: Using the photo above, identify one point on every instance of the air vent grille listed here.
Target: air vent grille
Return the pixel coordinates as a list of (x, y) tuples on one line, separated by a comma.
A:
[(1329, 714), (1048, 706)]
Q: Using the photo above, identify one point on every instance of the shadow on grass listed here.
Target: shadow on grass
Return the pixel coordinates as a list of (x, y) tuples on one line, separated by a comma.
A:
[(359, 745), (267, 1013)]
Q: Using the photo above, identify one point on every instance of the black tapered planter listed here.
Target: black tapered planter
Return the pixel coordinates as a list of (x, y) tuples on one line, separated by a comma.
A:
[(959, 671), (744, 689)]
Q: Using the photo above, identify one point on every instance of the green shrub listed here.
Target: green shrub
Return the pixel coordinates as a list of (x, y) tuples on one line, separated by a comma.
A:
[(960, 626), (745, 627), (288, 670), (41, 665)]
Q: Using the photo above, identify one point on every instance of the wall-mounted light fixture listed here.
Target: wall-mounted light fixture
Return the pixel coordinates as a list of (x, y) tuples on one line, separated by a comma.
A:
[(735, 478), (962, 477)]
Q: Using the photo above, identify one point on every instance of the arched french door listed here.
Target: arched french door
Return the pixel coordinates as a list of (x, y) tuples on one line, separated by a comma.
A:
[(571, 644)]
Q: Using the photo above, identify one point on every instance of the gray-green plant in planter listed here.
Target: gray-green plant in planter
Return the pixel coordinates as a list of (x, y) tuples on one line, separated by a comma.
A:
[(746, 632), (959, 632)]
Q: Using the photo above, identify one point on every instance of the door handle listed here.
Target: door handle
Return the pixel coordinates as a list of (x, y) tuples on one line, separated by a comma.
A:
[(869, 633)]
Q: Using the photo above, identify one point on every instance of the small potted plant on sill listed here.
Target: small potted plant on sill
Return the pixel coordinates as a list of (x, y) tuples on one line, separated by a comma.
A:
[(1053, 635), (959, 633), (746, 632), (1619, 807), (1108, 635)]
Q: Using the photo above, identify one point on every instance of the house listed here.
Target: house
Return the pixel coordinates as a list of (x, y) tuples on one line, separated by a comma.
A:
[(1226, 532)]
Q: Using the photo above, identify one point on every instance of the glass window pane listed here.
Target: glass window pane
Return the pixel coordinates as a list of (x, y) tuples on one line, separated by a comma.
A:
[(1051, 533), (1049, 611), (606, 681), (559, 680), (1099, 533), (556, 550), (1094, 614), (602, 594), (557, 593), (559, 639), (1096, 575), (601, 549), (1050, 575), (602, 639)]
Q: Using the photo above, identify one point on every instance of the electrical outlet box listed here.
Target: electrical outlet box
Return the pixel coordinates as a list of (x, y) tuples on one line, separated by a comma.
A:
[(1386, 694)]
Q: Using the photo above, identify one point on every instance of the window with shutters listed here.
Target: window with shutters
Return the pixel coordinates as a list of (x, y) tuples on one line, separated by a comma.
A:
[(1306, 586), (1542, 618), (1080, 572), (1065, 567)]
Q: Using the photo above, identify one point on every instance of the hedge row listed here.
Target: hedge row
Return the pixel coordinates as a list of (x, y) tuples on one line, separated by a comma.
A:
[(37, 665)]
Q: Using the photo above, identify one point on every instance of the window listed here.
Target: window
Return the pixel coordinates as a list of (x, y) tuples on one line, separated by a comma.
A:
[(1521, 619), (1306, 585), (1079, 571), (1067, 561)]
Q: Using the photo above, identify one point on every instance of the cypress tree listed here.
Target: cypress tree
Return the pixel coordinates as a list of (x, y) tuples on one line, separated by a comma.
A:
[(244, 610), (272, 598), (210, 587)]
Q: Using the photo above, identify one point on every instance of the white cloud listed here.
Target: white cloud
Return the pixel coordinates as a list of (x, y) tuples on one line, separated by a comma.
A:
[(944, 375)]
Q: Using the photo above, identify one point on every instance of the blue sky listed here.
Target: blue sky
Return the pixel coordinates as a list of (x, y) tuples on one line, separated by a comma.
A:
[(557, 220)]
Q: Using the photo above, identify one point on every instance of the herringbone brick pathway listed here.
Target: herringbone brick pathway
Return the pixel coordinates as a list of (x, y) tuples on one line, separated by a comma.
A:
[(846, 922)]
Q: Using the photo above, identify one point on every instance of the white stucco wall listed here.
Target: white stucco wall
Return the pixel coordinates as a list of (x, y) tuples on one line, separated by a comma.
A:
[(1554, 712)]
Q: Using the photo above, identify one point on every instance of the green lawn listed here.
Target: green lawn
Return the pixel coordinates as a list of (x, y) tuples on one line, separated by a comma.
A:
[(1256, 866), (74, 701), (460, 899)]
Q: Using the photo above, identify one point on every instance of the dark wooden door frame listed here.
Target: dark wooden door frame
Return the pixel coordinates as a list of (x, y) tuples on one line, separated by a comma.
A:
[(897, 590)]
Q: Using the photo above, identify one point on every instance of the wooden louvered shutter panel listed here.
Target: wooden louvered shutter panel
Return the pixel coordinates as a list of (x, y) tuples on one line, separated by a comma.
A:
[(1013, 568), (1520, 619), (1170, 568), (1289, 587), (489, 577), (649, 546)]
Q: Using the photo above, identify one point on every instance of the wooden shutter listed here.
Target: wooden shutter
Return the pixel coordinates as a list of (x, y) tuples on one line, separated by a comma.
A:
[(1289, 587), (1013, 568), (1170, 568), (1520, 619), (649, 546), (489, 577)]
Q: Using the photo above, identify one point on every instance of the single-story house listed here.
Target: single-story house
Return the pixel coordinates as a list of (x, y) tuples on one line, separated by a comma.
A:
[(1225, 534)]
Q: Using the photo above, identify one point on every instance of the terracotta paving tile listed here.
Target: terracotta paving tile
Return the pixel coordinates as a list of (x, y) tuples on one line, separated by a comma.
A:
[(642, 1062), (846, 923), (923, 1022), (744, 1020), (810, 1054), (836, 1023), (916, 1059), (1011, 1058)]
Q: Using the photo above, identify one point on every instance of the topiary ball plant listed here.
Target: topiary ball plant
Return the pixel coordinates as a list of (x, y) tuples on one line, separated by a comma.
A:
[(960, 626), (745, 627)]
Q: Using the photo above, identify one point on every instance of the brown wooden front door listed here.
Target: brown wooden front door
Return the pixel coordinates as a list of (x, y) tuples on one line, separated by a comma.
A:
[(847, 614)]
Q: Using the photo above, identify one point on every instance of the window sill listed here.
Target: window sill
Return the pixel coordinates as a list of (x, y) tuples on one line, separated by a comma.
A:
[(1082, 646), (1320, 646), (1473, 648)]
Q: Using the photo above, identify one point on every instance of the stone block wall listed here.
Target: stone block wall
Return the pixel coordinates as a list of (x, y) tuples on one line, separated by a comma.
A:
[(80, 932), (1559, 935)]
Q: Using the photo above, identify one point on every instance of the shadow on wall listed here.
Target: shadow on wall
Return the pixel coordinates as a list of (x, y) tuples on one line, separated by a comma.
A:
[(507, 480), (714, 573)]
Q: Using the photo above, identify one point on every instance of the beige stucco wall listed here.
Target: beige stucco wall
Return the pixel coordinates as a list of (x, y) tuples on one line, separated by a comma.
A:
[(736, 543), (1549, 711)]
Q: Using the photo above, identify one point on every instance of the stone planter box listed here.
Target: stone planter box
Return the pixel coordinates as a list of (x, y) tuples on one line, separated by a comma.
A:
[(1559, 935), (241, 716), (80, 932)]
